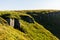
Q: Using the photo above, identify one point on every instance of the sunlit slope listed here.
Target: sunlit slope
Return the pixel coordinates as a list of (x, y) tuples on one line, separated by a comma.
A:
[(29, 29), (9, 33), (31, 32), (36, 31)]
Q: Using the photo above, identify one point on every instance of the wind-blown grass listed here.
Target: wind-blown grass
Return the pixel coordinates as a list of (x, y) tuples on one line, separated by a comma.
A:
[(29, 31)]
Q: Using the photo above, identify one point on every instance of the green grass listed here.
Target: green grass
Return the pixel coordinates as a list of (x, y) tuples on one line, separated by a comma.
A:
[(31, 31), (9, 33)]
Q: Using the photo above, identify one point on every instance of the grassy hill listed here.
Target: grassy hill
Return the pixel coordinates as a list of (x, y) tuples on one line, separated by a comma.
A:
[(30, 26)]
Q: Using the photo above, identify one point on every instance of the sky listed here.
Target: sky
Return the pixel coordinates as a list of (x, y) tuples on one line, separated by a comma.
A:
[(29, 4)]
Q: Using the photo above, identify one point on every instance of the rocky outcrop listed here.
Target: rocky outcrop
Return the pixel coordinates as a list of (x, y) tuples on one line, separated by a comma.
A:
[(50, 21), (11, 21)]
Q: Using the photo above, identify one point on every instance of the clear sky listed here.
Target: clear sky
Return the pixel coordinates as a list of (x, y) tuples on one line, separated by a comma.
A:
[(29, 4)]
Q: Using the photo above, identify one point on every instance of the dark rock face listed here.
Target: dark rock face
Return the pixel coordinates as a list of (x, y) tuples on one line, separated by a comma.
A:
[(50, 21), (16, 24), (12, 22), (27, 19), (6, 18)]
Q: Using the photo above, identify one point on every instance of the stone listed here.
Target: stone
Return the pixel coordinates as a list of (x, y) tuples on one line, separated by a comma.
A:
[(27, 19), (11, 21)]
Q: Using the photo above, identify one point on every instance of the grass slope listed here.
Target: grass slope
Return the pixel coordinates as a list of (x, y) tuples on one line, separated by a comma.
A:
[(29, 31), (9, 33)]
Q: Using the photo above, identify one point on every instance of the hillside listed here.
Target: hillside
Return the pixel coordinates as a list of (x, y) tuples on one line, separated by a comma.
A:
[(31, 26)]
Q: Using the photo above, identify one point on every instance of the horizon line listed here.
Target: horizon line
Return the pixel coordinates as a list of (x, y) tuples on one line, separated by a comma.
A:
[(25, 9)]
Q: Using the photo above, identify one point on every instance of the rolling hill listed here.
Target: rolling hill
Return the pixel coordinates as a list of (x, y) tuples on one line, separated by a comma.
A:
[(34, 25)]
